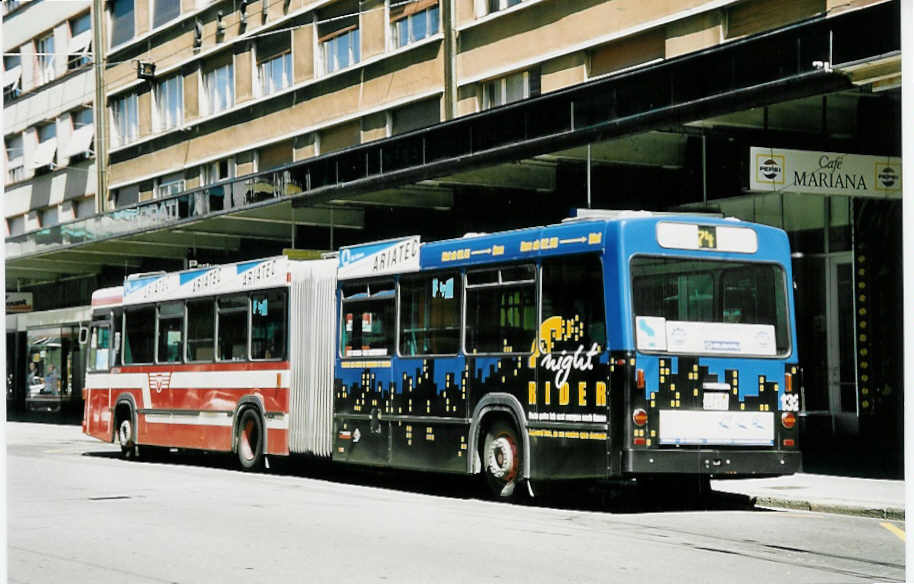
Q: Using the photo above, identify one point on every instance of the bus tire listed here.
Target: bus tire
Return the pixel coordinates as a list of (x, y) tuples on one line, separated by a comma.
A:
[(126, 437), (502, 456), (249, 440)]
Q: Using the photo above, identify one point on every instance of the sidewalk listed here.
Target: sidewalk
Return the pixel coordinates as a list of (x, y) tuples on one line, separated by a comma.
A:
[(823, 493)]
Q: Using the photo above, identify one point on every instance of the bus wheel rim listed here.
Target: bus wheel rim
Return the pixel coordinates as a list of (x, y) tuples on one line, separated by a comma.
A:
[(124, 433), (501, 458), (247, 431)]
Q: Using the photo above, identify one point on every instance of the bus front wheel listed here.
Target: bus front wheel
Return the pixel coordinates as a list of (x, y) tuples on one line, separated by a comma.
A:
[(126, 437), (501, 460), (250, 438)]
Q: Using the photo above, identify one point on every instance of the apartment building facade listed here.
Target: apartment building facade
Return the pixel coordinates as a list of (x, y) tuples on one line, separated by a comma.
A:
[(234, 129)]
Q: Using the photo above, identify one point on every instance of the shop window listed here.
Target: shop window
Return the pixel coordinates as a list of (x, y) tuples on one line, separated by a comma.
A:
[(413, 21), (168, 108), (139, 335), (268, 325), (165, 10), (171, 332), (368, 319), (201, 330), (219, 86), (80, 42), (501, 310), (125, 119), (430, 315), (511, 88), (44, 50), (122, 21), (232, 328), (274, 64)]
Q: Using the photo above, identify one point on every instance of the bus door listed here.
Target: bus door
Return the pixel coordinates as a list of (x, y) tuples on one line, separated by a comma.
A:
[(100, 352), (364, 373), (428, 408), (569, 413)]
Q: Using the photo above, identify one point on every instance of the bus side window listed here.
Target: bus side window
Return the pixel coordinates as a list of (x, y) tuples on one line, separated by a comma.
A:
[(573, 288), (171, 332), (430, 315), (501, 313), (368, 319), (139, 335), (268, 325), (201, 330), (100, 353), (232, 328)]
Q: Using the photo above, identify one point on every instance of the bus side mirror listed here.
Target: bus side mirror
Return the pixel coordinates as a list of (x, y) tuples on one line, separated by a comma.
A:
[(83, 334)]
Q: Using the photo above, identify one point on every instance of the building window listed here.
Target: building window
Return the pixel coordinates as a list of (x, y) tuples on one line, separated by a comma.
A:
[(80, 42), (490, 6), (122, 21), (413, 21), (170, 185), (218, 170), (12, 76), (168, 110), (80, 143), (15, 166), (125, 120), (219, 88), (274, 64), (44, 156), (44, 49), (340, 48), (510, 89), (164, 11)]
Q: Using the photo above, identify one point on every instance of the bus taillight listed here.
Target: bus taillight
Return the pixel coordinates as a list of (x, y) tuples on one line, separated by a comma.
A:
[(639, 417), (788, 420), (788, 382), (639, 379)]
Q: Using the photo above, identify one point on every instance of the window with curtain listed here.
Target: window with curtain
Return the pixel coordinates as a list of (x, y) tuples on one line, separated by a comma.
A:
[(219, 88), (413, 21), (274, 63), (125, 119), (169, 97)]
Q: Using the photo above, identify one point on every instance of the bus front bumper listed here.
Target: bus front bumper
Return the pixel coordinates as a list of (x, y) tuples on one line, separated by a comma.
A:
[(712, 461)]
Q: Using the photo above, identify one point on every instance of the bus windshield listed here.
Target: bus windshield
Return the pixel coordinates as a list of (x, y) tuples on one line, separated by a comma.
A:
[(744, 304)]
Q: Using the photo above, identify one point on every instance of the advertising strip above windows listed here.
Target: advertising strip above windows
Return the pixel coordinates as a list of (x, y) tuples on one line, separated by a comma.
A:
[(238, 277), (824, 173), (394, 256)]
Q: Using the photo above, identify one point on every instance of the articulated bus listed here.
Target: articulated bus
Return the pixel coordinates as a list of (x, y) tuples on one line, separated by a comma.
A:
[(610, 346)]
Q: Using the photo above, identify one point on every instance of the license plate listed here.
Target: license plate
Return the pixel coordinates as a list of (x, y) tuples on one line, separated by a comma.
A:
[(716, 400)]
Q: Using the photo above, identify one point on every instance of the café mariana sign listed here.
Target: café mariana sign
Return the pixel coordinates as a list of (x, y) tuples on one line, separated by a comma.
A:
[(826, 173)]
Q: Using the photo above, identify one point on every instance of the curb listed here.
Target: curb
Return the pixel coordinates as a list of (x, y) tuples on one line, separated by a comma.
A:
[(892, 513)]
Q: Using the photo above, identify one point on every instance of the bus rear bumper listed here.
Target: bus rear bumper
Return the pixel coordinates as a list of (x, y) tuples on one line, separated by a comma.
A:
[(711, 461)]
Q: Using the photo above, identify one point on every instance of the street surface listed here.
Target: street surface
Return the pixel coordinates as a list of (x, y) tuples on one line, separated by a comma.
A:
[(77, 513)]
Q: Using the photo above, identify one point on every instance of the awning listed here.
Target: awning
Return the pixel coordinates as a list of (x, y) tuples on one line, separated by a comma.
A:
[(11, 76), (80, 43), (44, 154), (80, 140)]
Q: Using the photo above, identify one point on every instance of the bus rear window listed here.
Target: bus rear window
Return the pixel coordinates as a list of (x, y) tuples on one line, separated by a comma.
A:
[(710, 291)]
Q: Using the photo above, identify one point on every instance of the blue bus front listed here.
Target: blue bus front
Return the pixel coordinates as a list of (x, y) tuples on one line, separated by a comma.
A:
[(710, 364)]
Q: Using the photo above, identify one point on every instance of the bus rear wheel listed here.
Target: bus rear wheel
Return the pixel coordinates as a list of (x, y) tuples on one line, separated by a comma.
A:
[(501, 460), (249, 441)]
